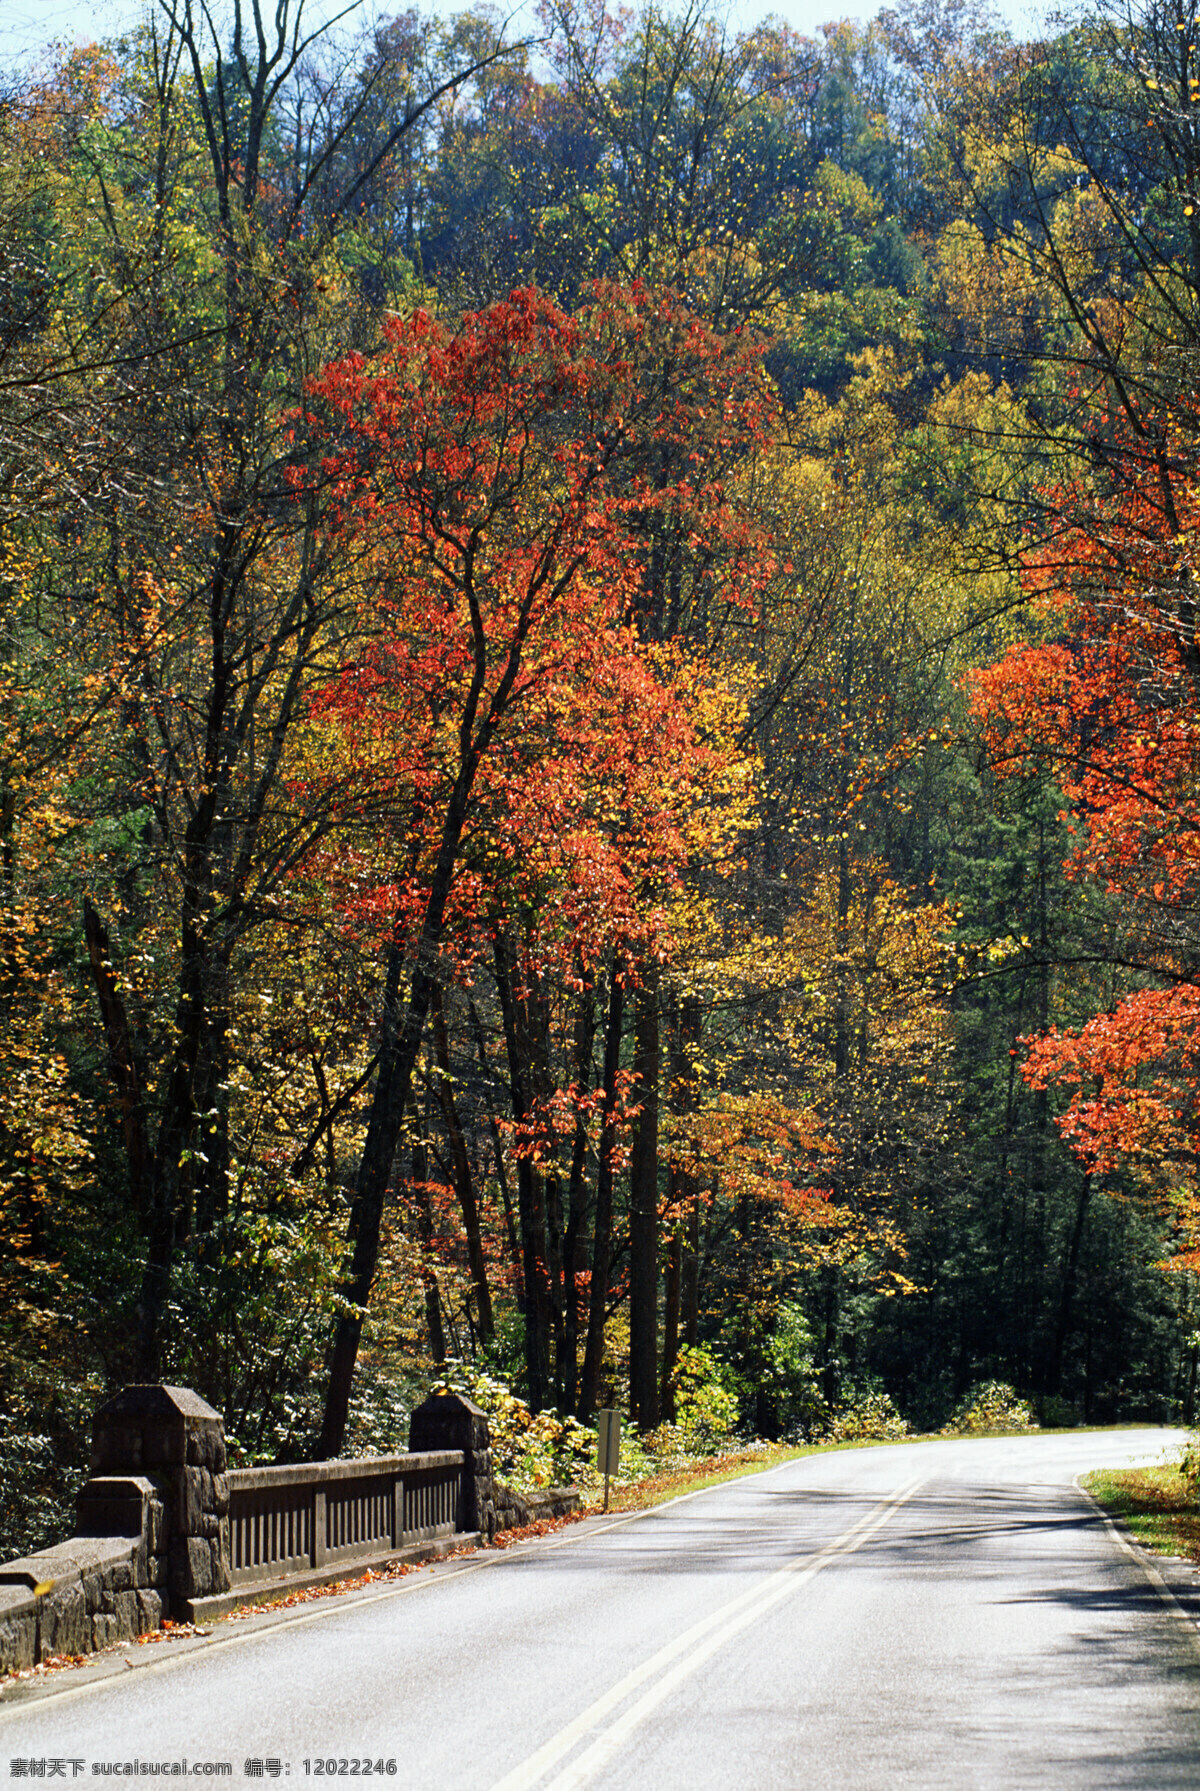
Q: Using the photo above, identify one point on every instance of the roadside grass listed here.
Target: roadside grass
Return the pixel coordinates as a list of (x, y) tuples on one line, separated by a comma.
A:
[(1157, 1505)]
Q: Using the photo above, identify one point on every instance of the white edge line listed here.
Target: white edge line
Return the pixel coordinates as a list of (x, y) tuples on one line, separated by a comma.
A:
[(1142, 1556)]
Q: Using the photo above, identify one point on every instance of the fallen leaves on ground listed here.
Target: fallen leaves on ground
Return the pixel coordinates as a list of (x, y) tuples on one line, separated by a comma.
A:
[(1157, 1504)]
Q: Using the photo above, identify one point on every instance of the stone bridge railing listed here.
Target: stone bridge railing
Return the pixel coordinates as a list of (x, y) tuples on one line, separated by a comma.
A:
[(305, 1525), (166, 1529)]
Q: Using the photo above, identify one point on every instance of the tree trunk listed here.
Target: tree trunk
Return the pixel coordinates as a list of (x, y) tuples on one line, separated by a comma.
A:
[(124, 1067), (1067, 1297), (530, 1193), (593, 1360), (567, 1368), (691, 1270), (681, 1195), (169, 1218), (424, 1206), (464, 1181), (510, 1223), (830, 1376), (670, 1354), (402, 1031), (643, 1211)]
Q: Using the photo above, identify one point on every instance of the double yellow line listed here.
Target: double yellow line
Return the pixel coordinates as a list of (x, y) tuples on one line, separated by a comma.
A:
[(679, 1659)]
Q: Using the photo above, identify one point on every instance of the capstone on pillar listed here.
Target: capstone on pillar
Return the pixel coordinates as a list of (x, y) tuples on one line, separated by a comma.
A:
[(172, 1436)]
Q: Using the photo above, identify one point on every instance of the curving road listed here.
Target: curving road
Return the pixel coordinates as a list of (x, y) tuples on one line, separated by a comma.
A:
[(938, 1614)]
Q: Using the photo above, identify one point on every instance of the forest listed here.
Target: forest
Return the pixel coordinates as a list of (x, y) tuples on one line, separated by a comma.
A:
[(600, 702)]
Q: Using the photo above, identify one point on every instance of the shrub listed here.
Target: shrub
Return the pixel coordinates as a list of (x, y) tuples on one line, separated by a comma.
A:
[(1189, 1463), (873, 1418), (1057, 1414), (42, 1465), (529, 1449), (789, 1374), (533, 1449), (31, 1512), (992, 1405)]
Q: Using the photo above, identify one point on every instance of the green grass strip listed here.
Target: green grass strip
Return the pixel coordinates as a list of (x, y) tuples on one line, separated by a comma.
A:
[(1157, 1504)]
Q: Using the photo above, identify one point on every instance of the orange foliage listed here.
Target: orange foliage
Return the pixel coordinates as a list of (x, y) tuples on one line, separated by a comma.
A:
[(490, 485), (1112, 707)]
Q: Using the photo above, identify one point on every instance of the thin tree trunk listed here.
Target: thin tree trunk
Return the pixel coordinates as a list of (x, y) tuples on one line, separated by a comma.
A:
[(169, 1217), (567, 1371), (1067, 1298), (691, 1270), (681, 1196), (506, 1201), (830, 1377), (530, 1199), (402, 1030), (670, 1354), (593, 1360), (464, 1182), (424, 1206), (122, 1059), (643, 1211)]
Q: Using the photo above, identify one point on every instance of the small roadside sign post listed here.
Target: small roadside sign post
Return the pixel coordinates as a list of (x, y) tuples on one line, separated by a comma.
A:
[(608, 1446)]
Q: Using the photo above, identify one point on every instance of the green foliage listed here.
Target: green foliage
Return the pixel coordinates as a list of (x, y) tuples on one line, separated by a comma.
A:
[(1055, 1413), (871, 1419), (248, 1327), (33, 1511), (789, 1373), (706, 1397), (380, 1410), (45, 1436), (992, 1405), (532, 1450), (529, 1449), (668, 1449)]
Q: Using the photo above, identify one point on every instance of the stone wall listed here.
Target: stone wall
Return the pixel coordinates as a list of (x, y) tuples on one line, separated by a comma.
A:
[(105, 1585), (449, 1421), (153, 1531), (170, 1434), (514, 1510)]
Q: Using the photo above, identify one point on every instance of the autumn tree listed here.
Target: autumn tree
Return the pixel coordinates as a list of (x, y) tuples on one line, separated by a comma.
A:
[(1107, 701), (175, 288), (475, 481)]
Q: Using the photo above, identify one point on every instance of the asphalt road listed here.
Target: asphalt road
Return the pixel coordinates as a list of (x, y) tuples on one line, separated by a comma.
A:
[(939, 1614)]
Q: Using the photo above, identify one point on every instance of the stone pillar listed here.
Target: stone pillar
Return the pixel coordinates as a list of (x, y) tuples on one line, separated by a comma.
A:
[(171, 1435), (448, 1421)]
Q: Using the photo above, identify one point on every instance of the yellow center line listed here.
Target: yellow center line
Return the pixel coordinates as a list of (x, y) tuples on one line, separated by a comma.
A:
[(680, 1658)]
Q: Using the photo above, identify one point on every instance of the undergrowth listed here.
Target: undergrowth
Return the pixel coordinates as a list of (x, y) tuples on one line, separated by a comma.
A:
[(1157, 1504)]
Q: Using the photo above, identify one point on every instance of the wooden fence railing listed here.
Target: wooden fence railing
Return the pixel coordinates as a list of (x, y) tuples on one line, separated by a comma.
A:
[(293, 1522)]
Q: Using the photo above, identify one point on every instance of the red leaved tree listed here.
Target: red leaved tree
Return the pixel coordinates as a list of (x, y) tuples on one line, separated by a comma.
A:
[(1111, 705), (505, 706)]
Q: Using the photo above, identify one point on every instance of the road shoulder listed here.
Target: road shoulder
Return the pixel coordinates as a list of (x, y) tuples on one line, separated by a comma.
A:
[(1174, 1578)]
